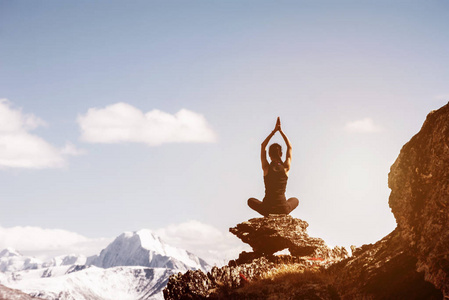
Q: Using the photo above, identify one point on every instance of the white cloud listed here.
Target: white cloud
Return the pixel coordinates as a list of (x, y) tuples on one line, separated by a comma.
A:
[(121, 122), (21, 149), (70, 149), (364, 126), (47, 243), (213, 245)]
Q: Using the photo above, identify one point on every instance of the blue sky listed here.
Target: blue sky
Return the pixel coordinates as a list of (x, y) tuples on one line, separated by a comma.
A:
[(352, 82)]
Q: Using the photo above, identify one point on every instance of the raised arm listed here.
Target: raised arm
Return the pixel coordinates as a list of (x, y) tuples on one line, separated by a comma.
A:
[(288, 155), (263, 153)]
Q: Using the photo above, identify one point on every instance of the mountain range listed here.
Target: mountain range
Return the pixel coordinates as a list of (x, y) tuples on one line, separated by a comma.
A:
[(136, 265)]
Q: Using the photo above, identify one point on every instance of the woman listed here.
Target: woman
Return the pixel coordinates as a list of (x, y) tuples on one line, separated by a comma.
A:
[(275, 176)]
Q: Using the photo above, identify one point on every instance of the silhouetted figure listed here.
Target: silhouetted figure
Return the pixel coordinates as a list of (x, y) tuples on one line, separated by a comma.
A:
[(275, 176)]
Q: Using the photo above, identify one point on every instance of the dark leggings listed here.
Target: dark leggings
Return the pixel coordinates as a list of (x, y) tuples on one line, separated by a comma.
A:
[(262, 209)]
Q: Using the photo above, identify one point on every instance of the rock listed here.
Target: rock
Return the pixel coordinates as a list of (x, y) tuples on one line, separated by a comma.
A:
[(413, 261), (384, 270), (12, 294), (229, 282), (249, 257), (266, 236), (197, 285), (274, 233), (419, 199)]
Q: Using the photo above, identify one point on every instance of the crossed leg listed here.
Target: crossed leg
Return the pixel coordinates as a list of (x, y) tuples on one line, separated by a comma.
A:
[(258, 206), (292, 203)]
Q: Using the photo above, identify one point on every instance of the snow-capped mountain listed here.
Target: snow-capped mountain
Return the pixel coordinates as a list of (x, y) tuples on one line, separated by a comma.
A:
[(11, 261), (143, 248), (136, 265), (92, 283), (66, 260)]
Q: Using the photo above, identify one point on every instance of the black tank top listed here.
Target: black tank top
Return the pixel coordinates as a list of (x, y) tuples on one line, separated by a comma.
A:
[(275, 184)]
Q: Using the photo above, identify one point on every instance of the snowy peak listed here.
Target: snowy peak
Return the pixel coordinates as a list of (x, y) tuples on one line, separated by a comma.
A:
[(9, 252), (150, 241), (66, 260), (144, 248), (12, 261)]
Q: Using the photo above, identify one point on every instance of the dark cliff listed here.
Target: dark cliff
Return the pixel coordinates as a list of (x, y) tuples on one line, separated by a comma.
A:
[(419, 200)]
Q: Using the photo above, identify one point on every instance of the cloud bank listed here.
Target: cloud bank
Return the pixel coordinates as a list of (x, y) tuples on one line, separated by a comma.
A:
[(215, 246), (363, 126), (47, 243), (21, 149), (122, 122)]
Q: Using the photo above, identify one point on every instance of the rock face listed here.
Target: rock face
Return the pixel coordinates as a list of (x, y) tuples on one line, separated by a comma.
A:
[(413, 261), (419, 200), (384, 270), (278, 232)]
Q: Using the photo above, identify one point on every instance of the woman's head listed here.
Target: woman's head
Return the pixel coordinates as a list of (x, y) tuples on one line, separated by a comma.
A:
[(275, 151)]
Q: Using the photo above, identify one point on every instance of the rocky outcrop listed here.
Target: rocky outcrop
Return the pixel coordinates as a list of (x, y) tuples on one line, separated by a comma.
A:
[(275, 233), (412, 262), (266, 236), (384, 270), (12, 294), (419, 199), (197, 285), (222, 283), (278, 232)]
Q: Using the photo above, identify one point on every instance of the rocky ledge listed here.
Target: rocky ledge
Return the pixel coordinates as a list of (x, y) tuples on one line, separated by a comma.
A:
[(278, 232)]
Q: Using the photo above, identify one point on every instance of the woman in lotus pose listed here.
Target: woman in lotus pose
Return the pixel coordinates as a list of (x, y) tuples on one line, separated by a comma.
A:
[(275, 175)]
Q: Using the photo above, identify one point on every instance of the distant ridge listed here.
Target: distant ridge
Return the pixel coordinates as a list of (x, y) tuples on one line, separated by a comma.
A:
[(144, 248)]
